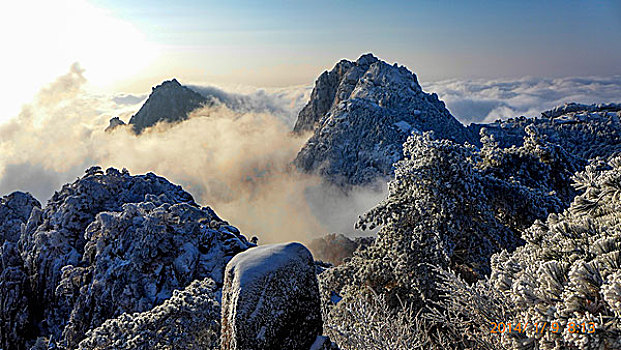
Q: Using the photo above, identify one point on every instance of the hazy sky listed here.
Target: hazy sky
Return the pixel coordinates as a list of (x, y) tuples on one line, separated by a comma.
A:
[(132, 45)]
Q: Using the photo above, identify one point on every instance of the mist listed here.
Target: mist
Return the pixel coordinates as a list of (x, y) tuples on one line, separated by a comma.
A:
[(236, 160)]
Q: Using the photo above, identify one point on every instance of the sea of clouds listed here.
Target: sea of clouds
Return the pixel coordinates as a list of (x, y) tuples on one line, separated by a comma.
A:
[(236, 156), (476, 101)]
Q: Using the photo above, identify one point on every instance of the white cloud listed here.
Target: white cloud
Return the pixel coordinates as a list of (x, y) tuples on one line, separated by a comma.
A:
[(41, 38), (488, 100), (283, 103), (237, 161), (235, 158)]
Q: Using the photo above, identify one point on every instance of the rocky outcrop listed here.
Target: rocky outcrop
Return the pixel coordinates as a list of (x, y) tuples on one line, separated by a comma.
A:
[(335, 248), (579, 107), (114, 123), (107, 244), (14, 288), (361, 113), (136, 258), (270, 299), (188, 320), (169, 102), (15, 210)]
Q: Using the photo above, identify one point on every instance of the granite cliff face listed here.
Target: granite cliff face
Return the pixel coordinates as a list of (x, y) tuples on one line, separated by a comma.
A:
[(169, 102), (361, 113)]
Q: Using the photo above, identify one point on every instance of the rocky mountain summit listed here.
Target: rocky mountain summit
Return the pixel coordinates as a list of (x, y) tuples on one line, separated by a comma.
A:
[(169, 102), (361, 113)]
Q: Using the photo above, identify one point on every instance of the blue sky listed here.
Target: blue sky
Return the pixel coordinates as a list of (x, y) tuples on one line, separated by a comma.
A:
[(132, 45), (438, 39)]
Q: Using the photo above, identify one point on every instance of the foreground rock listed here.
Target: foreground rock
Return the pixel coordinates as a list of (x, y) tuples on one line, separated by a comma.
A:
[(270, 299), (361, 113)]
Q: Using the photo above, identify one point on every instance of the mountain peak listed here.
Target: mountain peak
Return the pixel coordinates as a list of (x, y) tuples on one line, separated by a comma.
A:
[(173, 83), (169, 102), (361, 113), (367, 59), (366, 76)]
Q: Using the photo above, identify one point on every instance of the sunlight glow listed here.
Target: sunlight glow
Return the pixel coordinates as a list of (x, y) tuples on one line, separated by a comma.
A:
[(42, 39)]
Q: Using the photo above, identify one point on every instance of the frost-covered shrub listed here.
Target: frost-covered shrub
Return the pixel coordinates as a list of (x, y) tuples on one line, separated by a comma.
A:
[(373, 324), (188, 320), (567, 274), (14, 289), (443, 209), (107, 244), (54, 235), (585, 131), (135, 259), (536, 172)]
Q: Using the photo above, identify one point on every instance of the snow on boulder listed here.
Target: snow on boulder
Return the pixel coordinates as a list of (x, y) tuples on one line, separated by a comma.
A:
[(270, 299)]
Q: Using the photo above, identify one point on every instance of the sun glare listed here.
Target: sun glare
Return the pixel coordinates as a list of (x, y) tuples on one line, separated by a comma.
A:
[(41, 39)]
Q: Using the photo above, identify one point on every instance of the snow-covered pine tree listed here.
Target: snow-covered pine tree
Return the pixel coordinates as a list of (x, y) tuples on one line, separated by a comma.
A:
[(568, 275), (450, 206)]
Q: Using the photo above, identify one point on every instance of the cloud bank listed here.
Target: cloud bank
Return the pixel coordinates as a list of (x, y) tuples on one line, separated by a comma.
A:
[(283, 103), (235, 159), (488, 100)]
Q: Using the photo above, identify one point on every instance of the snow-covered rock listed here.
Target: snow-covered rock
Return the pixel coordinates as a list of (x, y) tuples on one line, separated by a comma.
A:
[(169, 102), (578, 107), (361, 113), (111, 243), (136, 258), (188, 320), (15, 210), (270, 299), (14, 289)]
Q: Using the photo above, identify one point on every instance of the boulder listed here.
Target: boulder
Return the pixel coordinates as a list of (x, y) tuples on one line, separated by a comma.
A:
[(270, 299)]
